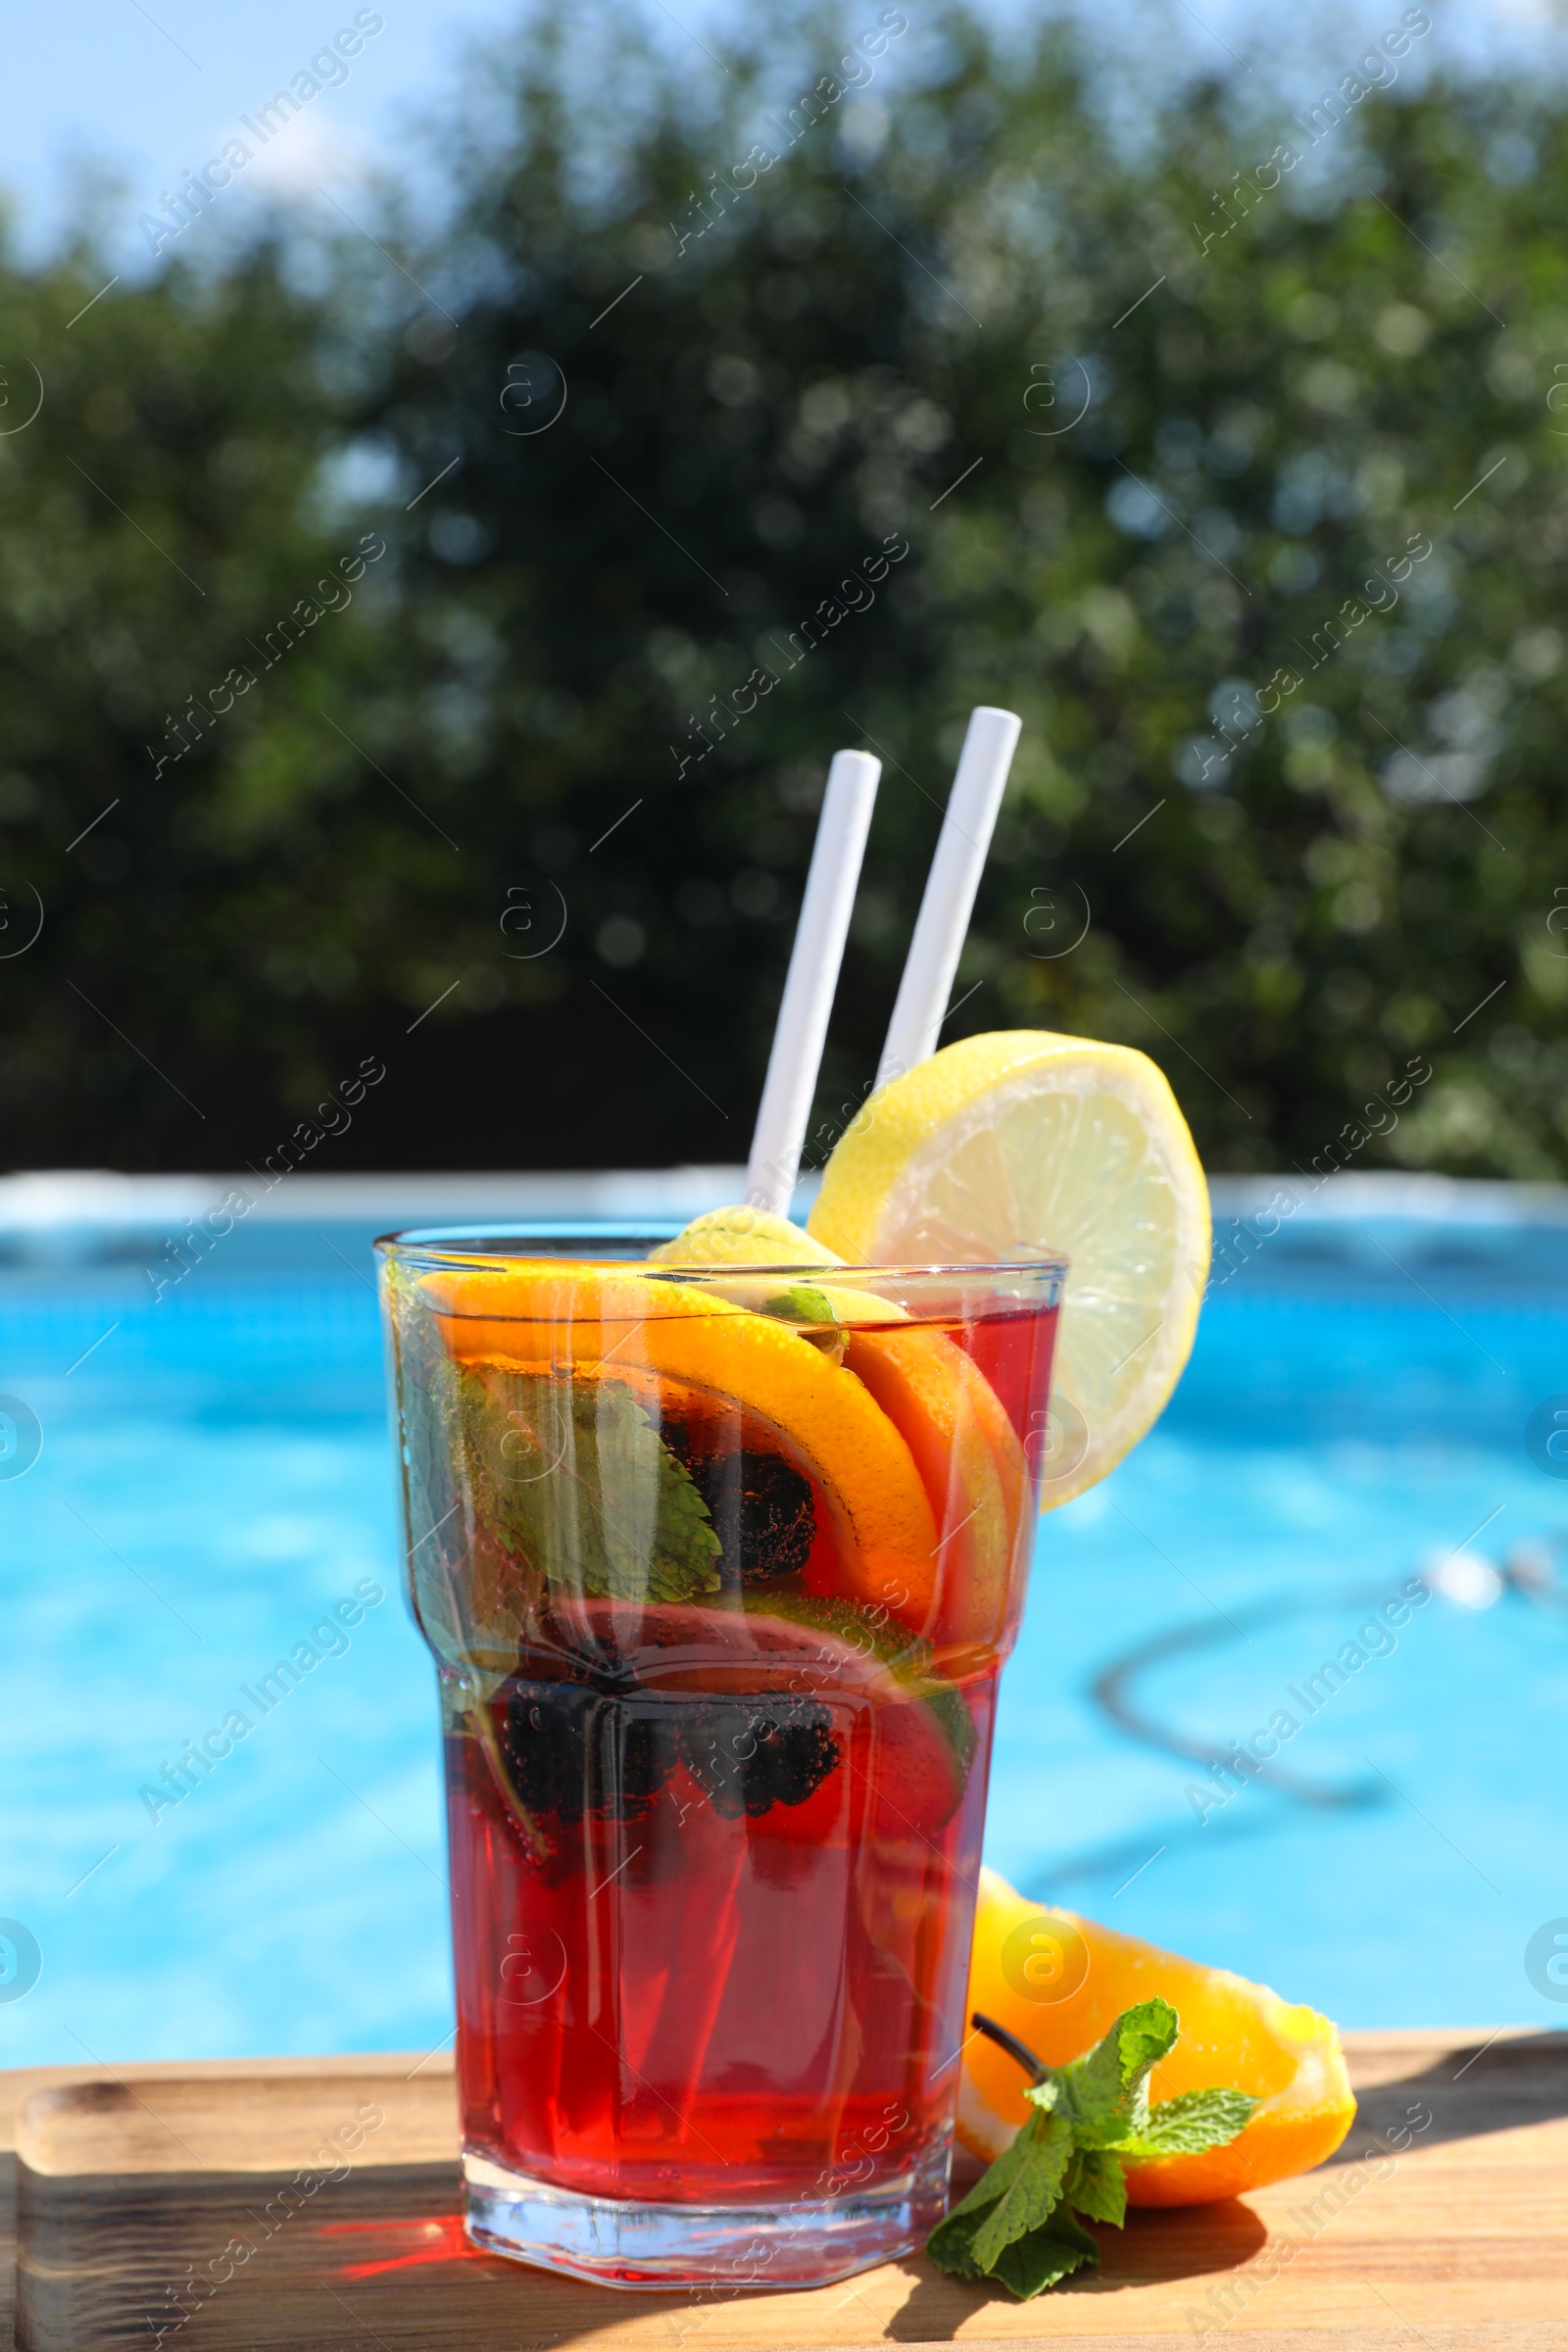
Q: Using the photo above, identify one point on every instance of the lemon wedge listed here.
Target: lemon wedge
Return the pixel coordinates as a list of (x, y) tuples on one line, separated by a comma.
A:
[(1023, 1144)]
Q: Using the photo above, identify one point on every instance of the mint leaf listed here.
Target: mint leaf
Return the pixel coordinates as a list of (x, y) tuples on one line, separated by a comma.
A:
[(574, 1482), (992, 2184), (1034, 2192), (1106, 2092), (951, 2244), (1144, 2035), (1017, 2194), (439, 1527), (1092, 2091), (1046, 2256), (1096, 2184), (1188, 2125)]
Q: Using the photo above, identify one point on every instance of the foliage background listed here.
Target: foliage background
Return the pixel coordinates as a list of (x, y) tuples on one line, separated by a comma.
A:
[(913, 297)]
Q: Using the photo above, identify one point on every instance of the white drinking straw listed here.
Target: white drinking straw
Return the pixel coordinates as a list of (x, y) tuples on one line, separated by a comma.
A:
[(813, 977), (951, 885)]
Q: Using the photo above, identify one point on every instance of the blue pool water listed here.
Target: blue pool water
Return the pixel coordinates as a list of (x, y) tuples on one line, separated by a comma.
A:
[(215, 1475)]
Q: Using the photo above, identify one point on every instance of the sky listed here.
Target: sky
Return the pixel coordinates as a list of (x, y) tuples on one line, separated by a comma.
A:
[(138, 91), (147, 89)]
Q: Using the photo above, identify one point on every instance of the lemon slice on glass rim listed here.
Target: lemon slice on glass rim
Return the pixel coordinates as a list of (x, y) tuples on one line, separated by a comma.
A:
[(1022, 1144)]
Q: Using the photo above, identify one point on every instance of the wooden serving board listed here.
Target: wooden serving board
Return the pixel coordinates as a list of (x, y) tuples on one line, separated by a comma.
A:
[(1443, 2223)]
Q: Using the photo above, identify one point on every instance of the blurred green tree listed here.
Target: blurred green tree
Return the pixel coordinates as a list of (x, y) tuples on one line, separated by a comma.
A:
[(1225, 452), (207, 854)]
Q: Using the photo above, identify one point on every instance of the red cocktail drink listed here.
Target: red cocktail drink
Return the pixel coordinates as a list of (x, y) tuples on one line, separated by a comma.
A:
[(719, 1569)]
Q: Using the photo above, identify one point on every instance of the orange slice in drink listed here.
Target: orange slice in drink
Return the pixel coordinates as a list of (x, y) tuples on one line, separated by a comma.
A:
[(972, 1465), (1059, 1983), (964, 1446), (598, 1322)]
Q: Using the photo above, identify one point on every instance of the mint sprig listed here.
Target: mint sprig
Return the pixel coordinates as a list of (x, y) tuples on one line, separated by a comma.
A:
[(1018, 2225), (574, 1481)]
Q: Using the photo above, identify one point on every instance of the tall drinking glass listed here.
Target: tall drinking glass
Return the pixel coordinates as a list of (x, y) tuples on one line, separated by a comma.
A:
[(718, 1567)]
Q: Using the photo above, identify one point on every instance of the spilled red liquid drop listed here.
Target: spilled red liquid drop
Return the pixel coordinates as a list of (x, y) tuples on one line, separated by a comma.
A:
[(445, 2241)]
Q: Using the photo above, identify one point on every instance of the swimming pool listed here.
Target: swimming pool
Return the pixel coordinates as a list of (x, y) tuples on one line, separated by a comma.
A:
[(215, 1477)]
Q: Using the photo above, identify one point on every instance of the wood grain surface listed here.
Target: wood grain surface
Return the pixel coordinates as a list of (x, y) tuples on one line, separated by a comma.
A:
[(1443, 2224)]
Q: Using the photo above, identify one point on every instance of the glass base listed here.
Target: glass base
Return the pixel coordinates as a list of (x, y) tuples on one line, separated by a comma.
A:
[(622, 2242)]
